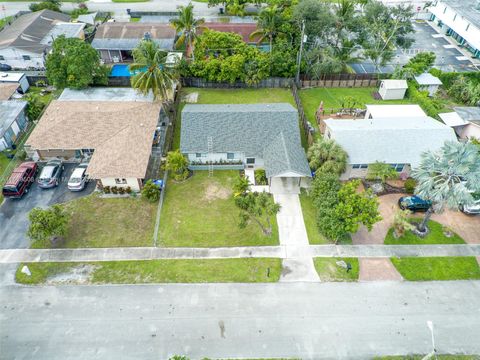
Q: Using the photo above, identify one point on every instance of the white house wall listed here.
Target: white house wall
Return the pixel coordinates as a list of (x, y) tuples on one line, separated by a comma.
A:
[(392, 94), (133, 183), (3, 144), (214, 157), (14, 58), (470, 131)]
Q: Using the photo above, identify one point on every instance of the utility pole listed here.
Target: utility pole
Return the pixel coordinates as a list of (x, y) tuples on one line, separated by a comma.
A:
[(299, 56)]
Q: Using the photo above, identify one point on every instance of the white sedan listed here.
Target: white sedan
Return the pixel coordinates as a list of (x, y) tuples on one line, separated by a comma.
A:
[(79, 178)]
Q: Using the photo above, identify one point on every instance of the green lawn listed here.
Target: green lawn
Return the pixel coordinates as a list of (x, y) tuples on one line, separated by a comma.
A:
[(332, 99), (5, 20), (163, 271), (116, 222), (241, 96), (309, 218), (328, 270), (420, 357), (435, 236), (200, 212), (437, 268)]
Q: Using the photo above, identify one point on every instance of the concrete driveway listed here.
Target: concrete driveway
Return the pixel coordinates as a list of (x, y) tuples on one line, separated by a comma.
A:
[(464, 225), (14, 212)]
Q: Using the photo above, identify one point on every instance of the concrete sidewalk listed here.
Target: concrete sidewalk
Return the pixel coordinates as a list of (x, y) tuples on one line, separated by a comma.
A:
[(282, 252)]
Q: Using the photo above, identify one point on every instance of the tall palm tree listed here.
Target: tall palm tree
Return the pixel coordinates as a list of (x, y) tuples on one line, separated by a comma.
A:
[(326, 155), (448, 178), (268, 25), (187, 25), (150, 72)]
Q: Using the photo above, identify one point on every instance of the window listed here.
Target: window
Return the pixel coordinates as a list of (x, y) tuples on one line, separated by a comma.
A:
[(198, 155), (360, 166), (250, 160), (2, 57), (26, 57), (398, 167), (120, 181), (230, 156)]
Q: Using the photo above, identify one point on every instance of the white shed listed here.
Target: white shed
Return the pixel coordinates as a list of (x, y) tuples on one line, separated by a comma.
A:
[(12, 77), (393, 89), (428, 82)]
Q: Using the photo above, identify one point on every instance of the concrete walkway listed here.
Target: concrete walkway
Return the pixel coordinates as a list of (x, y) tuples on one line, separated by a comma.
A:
[(297, 262), (291, 254)]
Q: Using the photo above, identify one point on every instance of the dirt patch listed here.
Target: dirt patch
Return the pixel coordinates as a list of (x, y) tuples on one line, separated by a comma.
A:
[(215, 191), (78, 275), (378, 269)]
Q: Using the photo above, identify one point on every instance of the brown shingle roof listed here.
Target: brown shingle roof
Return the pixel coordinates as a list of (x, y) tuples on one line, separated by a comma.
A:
[(7, 90), (114, 30), (120, 132), (242, 29)]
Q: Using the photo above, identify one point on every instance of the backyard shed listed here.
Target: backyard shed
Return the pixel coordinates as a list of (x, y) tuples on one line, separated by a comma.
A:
[(12, 122), (15, 78), (428, 82), (393, 89)]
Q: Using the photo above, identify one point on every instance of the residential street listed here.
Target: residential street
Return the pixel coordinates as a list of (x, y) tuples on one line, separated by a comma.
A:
[(304, 320)]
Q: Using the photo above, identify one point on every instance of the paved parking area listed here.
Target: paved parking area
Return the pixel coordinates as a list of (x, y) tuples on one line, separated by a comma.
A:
[(426, 39), (14, 212)]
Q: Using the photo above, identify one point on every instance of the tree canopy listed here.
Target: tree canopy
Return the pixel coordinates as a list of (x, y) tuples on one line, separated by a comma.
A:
[(75, 64), (325, 155), (47, 223)]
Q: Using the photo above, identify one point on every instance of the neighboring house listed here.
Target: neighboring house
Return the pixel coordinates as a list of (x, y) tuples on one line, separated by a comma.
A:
[(465, 121), (20, 79), (248, 136), (113, 128), (25, 43), (428, 82), (459, 19), (7, 90), (88, 19), (116, 40), (12, 122), (396, 141), (242, 29), (393, 89), (388, 111)]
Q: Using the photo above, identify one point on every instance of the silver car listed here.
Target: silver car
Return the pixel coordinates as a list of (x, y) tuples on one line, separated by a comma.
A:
[(473, 209), (51, 174), (78, 179)]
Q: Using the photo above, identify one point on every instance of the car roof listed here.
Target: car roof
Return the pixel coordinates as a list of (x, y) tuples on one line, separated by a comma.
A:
[(18, 172), (78, 172), (47, 171)]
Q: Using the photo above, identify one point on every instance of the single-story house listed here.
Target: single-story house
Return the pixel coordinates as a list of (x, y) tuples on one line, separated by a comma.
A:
[(396, 141), (253, 136), (428, 82), (393, 89), (116, 40), (12, 122), (7, 90), (19, 79), (387, 111), (465, 120), (25, 43), (112, 128), (88, 19)]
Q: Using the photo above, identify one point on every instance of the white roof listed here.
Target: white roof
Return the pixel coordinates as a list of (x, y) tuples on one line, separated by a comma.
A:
[(11, 76), (87, 18), (391, 140), (428, 79), (389, 111), (173, 57), (452, 119), (395, 84)]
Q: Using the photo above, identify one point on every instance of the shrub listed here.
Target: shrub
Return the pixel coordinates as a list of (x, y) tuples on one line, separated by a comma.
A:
[(151, 192), (114, 190), (106, 189), (381, 171), (261, 177), (410, 185), (401, 223), (177, 163), (121, 190), (128, 190)]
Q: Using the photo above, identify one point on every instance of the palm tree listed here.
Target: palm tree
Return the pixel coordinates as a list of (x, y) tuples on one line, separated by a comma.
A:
[(150, 72), (236, 8), (187, 25), (269, 21), (326, 155), (448, 178)]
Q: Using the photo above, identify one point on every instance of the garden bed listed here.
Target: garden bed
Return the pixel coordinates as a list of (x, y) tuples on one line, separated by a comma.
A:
[(329, 270), (435, 236)]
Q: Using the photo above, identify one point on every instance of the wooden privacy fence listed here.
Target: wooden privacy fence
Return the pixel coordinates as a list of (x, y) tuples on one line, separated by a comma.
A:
[(306, 126), (344, 81), (273, 82)]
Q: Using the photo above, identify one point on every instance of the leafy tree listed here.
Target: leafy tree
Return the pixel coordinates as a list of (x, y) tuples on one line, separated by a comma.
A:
[(236, 7), (384, 29), (34, 106), (47, 223), (269, 22), (151, 192), (283, 59), (401, 223), (325, 155), (53, 5), (151, 74), (258, 207), (187, 26), (318, 17), (417, 65), (465, 90), (356, 208), (381, 171), (448, 178), (74, 63), (177, 163)]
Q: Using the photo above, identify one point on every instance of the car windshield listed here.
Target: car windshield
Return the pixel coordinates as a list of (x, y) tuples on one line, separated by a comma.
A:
[(7, 189), (47, 172)]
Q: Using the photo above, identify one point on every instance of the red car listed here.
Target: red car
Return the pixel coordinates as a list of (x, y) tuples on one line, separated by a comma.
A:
[(20, 180)]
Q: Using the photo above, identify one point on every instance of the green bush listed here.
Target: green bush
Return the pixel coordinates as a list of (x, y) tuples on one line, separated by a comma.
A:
[(410, 185), (261, 177), (429, 105), (151, 192)]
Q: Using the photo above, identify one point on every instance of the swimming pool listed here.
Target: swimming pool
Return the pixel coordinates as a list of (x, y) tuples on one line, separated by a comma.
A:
[(120, 70)]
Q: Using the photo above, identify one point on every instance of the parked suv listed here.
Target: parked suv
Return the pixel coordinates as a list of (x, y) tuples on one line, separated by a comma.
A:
[(414, 203), (50, 175), (79, 178), (20, 180)]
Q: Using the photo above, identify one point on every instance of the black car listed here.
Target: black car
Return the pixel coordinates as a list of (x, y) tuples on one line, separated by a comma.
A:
[(5, 67), (50, 175), (414, 203)]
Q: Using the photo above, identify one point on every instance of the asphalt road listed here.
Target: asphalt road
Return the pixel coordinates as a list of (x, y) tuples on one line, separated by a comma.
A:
[(14, 212), (329, 320)]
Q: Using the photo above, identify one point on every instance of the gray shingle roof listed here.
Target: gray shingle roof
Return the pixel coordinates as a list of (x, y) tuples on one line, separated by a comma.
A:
[(9, 111), (249, 128), (281, 156), (29, 30)]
